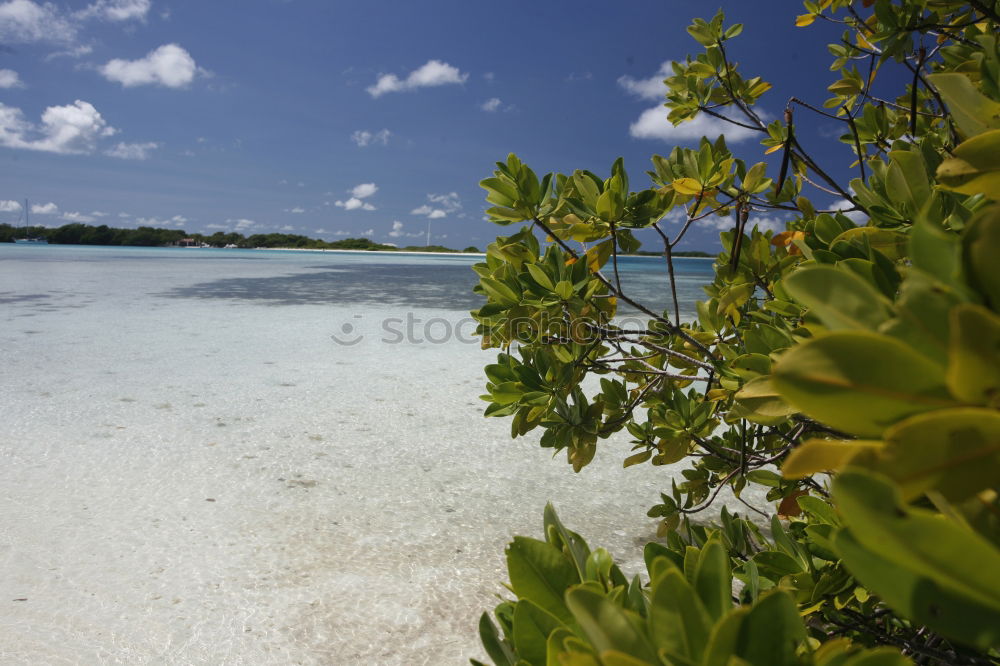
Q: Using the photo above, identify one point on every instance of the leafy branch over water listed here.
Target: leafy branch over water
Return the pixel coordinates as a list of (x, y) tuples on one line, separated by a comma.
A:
[(849, 366)]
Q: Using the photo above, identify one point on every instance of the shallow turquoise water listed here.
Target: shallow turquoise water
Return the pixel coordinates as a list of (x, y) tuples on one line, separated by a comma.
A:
[(193, 470)]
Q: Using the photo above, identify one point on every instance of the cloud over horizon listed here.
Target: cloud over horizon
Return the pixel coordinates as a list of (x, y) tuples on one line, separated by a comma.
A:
[(71, 129)]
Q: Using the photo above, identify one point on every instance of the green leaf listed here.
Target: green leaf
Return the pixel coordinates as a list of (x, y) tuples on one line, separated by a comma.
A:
[(955, 452), (922, 315), (839, 298), (570, 542), (540, 573), (859, 382), (974, 113), (979, 254), (495, 647), (608, 626), (532, 627), (759, 402), (925, 566), (906, 181), (974, 355), (713, 580), (539, 275), (771, 632), (500, 291), (678, 621), (724, 639), (890, 243)]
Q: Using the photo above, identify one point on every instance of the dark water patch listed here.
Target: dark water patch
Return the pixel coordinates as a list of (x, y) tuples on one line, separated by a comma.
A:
[(441, 286), (11, 297)]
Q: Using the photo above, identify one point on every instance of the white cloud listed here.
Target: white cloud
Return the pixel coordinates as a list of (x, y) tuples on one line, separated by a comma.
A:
[(132, 151), (397, 229), (320, 231), (365, 138), (242, 224), (491, 105), (364, 190), (653, 124), (73, 128), (727, 222), (359, 192), (77, 217), (24, 21), (98, 213), (124, 216), (296, 210), (75, 52), (353, 204), (341, 233), (444, 205), (169, 65), (117, 10), (287, 227), (432, 73), (10, 79), (651, 88), (432, 213), (9, 206), (370, 232), (44, 209)]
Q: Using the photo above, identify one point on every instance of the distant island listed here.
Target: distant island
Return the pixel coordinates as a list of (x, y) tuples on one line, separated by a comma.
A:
[(85, 234)]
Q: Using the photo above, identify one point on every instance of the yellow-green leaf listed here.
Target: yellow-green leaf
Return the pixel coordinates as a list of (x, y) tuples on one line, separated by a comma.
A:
[(859, 382), (824, 455), (974, 167), (687, 186), (839, 298), (955, 452), (973, 112), (974, 355), (925, 566), (759, 402), (803, 20)]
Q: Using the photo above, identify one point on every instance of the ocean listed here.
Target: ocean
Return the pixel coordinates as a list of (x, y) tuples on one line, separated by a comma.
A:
[(270, 457)]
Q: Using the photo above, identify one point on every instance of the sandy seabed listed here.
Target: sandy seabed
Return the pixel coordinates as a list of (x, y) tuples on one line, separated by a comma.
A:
[(216, 481)]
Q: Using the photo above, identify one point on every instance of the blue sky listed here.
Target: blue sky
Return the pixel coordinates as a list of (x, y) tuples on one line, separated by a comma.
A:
[(372, 118)]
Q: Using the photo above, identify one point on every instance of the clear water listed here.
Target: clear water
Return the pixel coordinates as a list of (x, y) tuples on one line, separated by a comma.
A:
[(192, 469)]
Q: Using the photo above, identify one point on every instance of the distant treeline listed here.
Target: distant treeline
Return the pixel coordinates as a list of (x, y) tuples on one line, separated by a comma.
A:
[(85, 234)]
